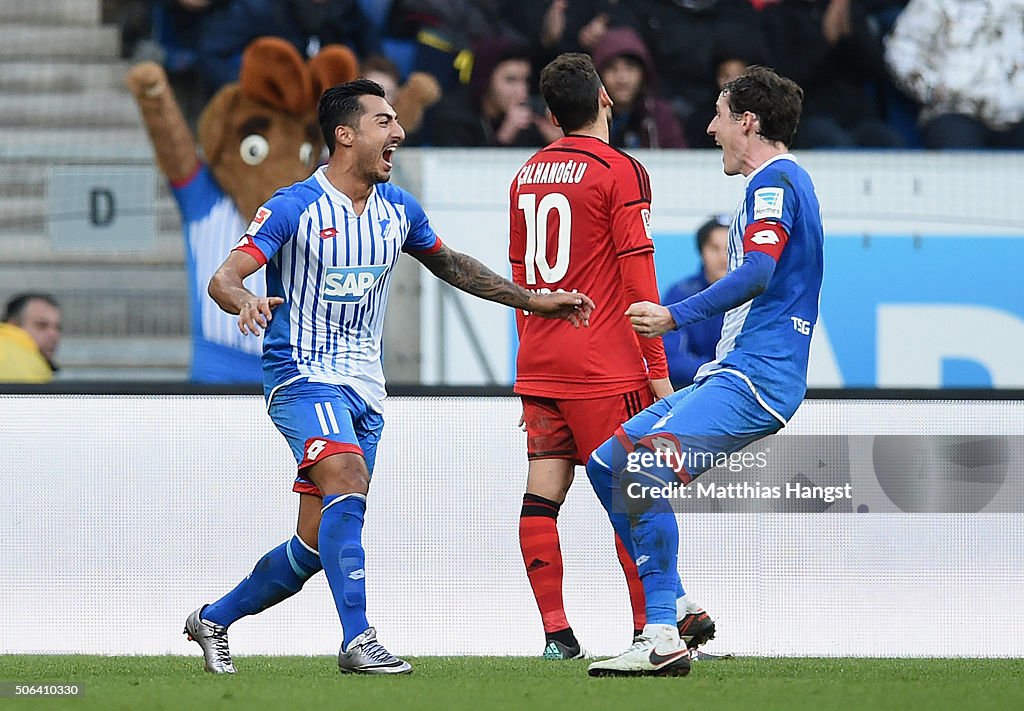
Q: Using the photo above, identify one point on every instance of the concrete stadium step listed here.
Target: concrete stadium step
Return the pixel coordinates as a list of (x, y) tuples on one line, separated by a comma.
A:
[(94, 109), (123, 146), (53, 12), (111, 301), (36, 41), (122, 374), (32, 214), (75, 276), (17, 248), (143, 314), (125, 313), (23, 179), (125, 358), (61, 76)]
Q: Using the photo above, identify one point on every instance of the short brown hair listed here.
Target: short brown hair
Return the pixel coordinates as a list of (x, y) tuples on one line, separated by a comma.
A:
[(570, 85), (776, 100)]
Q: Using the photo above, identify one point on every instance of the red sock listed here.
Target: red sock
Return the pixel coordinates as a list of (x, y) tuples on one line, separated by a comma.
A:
[(636, 588), (542, 555)]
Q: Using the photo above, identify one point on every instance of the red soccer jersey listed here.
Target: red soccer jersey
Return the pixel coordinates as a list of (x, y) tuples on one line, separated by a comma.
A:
[(576, 209)]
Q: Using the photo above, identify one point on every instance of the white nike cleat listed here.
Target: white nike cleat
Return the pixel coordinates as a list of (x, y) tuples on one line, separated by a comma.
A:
[(365, 655), (213, 639), (647, 657)]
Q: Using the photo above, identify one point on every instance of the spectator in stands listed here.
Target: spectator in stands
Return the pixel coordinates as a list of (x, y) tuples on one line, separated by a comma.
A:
[(410, 100), (382, 70), (496, 108), (736, 49), (639, 118), (444, 32), (163, 31), (829, 48), (307, 24), (168, 32), (963, 62), (681, 36), (691, 347), (556, 26), (29, 337)]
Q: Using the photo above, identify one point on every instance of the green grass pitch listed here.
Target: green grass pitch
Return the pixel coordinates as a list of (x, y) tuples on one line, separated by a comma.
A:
[(481, 683)]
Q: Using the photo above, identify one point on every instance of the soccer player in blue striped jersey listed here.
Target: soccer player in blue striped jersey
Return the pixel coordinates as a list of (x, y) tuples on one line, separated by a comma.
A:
[(330, 244), (759, 377)]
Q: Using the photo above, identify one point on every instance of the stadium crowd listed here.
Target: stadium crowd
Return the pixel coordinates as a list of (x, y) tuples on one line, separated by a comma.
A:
[(877, 73)]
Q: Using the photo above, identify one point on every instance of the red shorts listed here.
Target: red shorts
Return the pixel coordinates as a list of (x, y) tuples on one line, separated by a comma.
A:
[(572, 429)]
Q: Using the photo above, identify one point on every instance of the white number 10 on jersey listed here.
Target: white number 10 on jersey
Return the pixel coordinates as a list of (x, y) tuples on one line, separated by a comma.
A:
[(536, 257)]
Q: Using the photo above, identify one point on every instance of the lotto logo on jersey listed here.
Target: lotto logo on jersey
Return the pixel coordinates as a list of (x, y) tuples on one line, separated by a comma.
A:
[(765, 237), (261, 216), (348, 285), (768, 203)]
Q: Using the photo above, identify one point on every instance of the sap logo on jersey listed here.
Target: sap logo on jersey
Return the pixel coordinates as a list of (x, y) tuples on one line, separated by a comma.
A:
[(348, 285)]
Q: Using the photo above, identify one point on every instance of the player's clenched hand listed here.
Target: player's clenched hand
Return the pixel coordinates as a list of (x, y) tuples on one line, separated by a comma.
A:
[(573, 307), (650, 320), (661, 387), (255, 314)]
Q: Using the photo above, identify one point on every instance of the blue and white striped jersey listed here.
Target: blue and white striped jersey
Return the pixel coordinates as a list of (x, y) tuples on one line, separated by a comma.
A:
[(333, 269), (766, 341), (212, 223)]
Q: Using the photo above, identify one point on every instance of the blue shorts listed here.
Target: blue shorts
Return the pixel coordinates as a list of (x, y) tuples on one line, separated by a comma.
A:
[(700, 424), (321, 419)]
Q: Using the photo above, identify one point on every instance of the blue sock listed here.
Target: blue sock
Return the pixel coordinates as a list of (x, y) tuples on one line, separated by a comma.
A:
[(656, 542), (341, 551), (606, 485), (655, 534), (647, 527), (605, 480), (277, 576)]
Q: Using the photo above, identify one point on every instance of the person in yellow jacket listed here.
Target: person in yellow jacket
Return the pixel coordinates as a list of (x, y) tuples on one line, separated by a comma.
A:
[(29, 336)]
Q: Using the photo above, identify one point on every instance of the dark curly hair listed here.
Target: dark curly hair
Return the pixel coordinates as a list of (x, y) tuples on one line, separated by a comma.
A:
[(776, 100)]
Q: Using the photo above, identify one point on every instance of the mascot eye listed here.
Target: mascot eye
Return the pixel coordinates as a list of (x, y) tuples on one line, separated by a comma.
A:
[(306, 153), (254, 149)]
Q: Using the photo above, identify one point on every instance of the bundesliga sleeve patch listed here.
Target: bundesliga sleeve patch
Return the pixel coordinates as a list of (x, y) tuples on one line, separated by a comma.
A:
[(261, 216), (768, 203), (645, 216)]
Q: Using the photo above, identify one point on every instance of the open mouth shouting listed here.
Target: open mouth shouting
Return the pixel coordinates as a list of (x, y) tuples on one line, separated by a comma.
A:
[(388, 154)]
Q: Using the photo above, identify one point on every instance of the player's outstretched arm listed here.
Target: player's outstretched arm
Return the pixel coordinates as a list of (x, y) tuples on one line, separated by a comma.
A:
[(468, 275), (739, 286), (226, 288)]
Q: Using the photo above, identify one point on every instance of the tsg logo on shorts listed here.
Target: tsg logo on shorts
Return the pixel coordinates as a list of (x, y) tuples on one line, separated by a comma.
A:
[(348, 285)]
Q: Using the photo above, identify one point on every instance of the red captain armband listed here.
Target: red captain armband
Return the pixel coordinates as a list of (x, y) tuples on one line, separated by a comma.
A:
[(249, 247), (765, 236)]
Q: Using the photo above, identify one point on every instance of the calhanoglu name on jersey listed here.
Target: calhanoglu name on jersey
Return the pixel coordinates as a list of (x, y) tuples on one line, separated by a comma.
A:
[(568, 171)]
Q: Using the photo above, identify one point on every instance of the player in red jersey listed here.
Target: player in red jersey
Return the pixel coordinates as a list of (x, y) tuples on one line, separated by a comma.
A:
[(579, 216)]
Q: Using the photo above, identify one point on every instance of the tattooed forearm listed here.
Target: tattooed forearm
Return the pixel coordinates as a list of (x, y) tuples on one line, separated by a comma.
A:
[(465, 273)]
